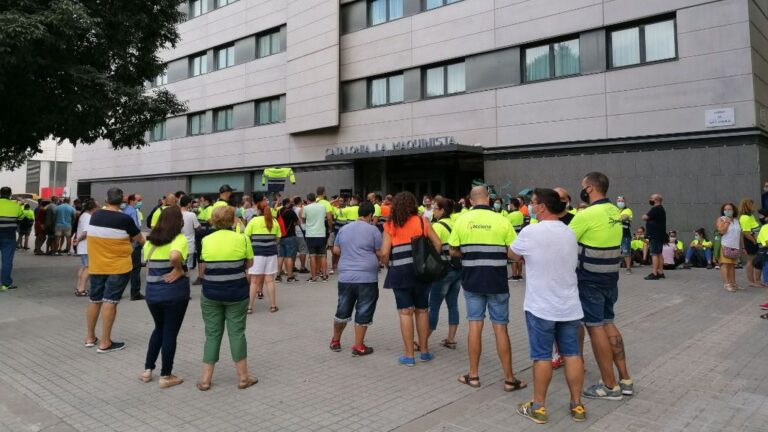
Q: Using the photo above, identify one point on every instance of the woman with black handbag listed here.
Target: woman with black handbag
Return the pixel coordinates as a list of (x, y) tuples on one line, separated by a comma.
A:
[(411, 292)]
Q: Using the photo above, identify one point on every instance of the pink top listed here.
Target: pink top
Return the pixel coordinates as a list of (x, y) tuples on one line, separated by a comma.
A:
[(668, 253)]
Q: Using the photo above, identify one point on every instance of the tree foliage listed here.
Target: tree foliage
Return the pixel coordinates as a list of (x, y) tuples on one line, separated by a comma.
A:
[(76, 70)]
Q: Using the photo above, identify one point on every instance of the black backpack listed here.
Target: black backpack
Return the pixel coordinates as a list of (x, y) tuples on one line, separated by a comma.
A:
[(427, 263)]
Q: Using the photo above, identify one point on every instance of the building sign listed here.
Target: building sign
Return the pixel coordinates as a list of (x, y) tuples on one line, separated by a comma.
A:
[(719, 117), (384, 149)]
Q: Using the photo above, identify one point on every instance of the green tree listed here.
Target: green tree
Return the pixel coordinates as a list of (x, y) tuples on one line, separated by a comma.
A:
[(76, 70)]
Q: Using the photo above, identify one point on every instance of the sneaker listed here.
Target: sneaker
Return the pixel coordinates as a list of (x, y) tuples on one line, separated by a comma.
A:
[(324, 278), (764, 306), (279, 278), (116, 346), (629, 271), (3, 288), (578, 413), (709, 267), (291, 279), (627, 387), (661, 276), (407, 361), (361, 350), (312, 280), (57, 254), (600, 391), (538, 415), (652, 276), (717, 267), (170, 381), (426, 357), (330, 273), (197, 281), (557, 362), (335, 345), (304, 270), (137, 297)]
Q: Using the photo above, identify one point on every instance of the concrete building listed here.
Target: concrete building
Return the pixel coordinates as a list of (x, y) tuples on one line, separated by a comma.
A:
[(667, 96), (45, 174)]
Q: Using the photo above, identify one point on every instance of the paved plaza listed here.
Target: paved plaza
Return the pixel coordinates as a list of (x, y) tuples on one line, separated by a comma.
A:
[(698, 354)]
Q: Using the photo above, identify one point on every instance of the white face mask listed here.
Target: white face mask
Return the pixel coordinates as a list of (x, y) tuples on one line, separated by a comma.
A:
[(621, 204)]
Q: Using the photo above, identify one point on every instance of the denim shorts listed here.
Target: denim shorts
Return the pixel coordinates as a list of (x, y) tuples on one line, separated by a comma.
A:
[(543, 333), (497, 305), (108, 288), (361, 297), (84, 260), (655, 246), (287, 247), (316, 246), (626, 246), (597, 303), (416, 296)]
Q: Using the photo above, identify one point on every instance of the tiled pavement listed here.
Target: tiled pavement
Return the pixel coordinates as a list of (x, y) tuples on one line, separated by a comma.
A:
[(699, 356)]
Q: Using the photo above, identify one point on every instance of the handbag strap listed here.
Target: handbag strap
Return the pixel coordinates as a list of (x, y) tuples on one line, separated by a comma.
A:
[(149, 255), (446, 226)]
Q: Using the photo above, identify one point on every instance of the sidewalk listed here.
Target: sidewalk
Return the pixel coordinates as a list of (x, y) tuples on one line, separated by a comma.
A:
[(698, 355)]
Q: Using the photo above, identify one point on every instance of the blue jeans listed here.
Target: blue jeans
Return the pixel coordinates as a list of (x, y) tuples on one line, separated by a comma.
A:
[(7, 250), (497, 305), (361, 297), (691, 252), (446, 288), (597, 302), (542, 333)]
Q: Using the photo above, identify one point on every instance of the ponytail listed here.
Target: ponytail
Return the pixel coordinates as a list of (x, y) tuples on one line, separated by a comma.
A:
[(266, 211)]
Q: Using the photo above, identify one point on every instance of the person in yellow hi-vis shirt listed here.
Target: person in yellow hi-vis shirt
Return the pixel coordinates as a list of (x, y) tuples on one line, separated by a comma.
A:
[(264, 232)]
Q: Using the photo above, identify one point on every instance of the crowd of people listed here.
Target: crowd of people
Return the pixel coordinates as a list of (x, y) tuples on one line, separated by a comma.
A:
[(569, 258)]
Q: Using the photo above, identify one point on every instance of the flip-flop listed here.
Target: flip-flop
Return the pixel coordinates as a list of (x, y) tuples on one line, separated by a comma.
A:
[(260, 296), (516, 385), (764, 316), (273, 309), (242, 385), (447, 344), (203, 386), (249, 311), (466, 379)]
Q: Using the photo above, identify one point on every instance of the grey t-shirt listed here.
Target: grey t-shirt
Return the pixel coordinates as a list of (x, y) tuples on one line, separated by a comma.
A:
[(314, 214), (359, 242)]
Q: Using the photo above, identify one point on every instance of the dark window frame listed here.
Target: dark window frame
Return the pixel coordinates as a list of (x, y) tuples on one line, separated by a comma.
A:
[(192, 57), (445, 3), (369, 10), (551, 43), (270, 100), (201, 114), (217, 112), (273, 32), (640, 24), (369, 89), (443, 65), (164, 134), (217, 54)]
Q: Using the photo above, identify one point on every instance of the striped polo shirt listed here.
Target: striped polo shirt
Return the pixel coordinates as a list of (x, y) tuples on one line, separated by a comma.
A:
[(109, 242)]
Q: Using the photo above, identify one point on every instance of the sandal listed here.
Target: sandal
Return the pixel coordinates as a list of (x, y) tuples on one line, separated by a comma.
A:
[(83, 293), (249, 311), (514, 385), (764, 316), (273, 309), (260, 295), (448, 344), (203, 386), (146, 376), (242, 385), (468, 380), (416, 346)]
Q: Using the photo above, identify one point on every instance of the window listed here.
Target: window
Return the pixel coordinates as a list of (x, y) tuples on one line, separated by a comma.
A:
[(381, 11), (161, 79), (443, 80), (225, 57), (197, 7), (196, 124), (158, 131), (222, 119), (431, 4), (198, 64), (268, 44), (222, 3), (643, 43), (386, 90), (552, 60), (268, 111)]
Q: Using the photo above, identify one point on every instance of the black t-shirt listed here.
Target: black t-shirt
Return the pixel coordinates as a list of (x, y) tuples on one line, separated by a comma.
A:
[(566, 218), (656, 225), (289, 221)]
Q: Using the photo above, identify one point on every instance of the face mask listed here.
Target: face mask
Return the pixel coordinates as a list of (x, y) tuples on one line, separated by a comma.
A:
[(497, 206), (138, 205), (728, 213), (122, 206), (697, 238), (584, 195), (531, 212), (621, 204), (651, 202), (673, 239)]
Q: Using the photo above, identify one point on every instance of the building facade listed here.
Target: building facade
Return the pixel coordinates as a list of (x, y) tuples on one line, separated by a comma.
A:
[(45, 174), (667, 96)]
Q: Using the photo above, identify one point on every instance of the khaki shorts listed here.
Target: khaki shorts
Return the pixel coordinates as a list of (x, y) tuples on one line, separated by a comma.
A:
[(63, 231)]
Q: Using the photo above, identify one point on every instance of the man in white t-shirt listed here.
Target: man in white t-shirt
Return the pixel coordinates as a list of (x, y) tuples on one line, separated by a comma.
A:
[(191, 225), (553, 310)]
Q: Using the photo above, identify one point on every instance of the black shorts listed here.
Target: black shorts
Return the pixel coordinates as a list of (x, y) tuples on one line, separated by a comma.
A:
[(750, 247), (655, 246), (316, 246)]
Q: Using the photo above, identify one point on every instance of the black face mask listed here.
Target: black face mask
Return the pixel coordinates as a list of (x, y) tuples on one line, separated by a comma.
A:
[(584, 195), (651, 202)]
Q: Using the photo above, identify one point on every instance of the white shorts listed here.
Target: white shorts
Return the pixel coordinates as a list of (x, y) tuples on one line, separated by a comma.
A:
[(264, 265)]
